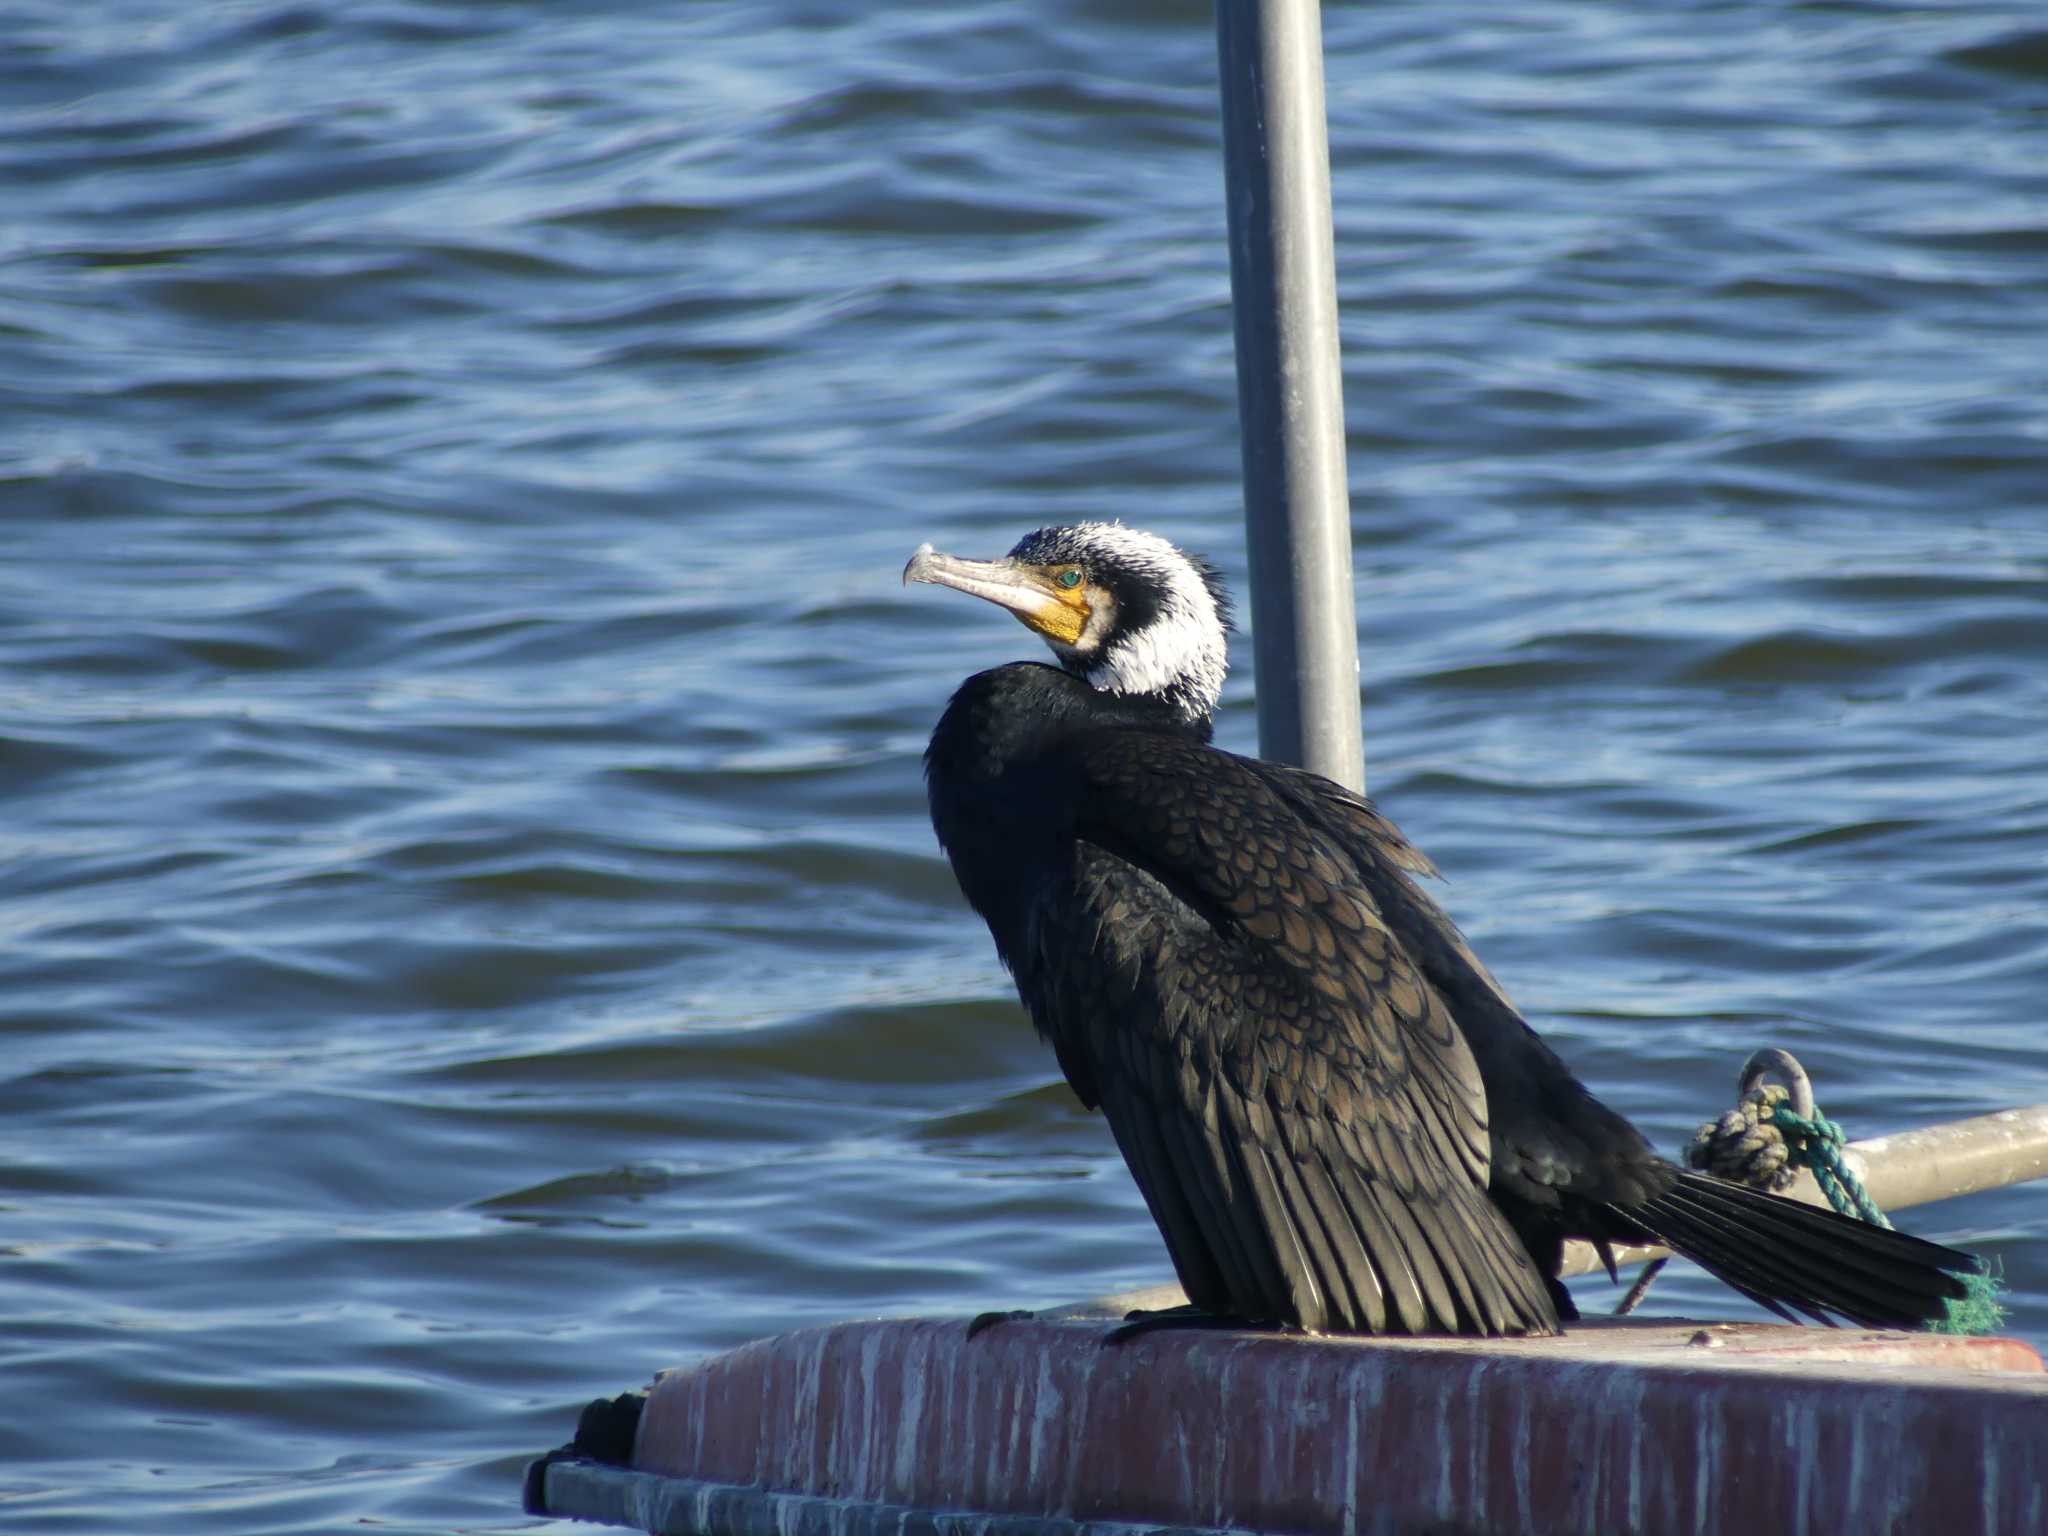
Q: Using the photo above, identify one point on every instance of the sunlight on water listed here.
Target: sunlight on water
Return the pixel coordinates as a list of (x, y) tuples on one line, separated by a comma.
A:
[(473, 933)]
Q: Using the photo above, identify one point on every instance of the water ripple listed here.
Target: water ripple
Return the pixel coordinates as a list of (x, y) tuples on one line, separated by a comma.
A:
[(473, 934)]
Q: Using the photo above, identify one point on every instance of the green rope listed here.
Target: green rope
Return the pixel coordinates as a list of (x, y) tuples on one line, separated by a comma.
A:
[(1817, 1144)]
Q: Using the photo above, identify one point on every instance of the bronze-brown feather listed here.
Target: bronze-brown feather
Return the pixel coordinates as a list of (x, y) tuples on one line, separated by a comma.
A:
[(1306, 1122), (1337, 1118)]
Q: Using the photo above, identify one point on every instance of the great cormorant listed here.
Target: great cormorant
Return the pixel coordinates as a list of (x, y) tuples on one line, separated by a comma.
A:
[(1337, 1118)]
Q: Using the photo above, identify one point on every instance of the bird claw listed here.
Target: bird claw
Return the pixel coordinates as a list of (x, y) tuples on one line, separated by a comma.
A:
[(1143, 1322), (987, 1320)]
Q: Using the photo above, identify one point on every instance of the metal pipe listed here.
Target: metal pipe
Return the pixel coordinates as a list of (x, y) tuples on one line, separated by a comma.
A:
[(1290, 385), (1912, 1168)]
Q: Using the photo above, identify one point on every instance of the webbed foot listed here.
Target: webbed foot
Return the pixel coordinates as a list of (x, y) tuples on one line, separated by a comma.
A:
[(987, 1320), (1189, 1316)]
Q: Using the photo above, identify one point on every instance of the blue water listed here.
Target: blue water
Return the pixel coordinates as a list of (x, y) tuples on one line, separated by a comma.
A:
[(472, 936)]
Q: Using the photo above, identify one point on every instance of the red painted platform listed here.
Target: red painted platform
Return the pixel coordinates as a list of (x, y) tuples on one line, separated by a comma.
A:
[(1618, 1427)]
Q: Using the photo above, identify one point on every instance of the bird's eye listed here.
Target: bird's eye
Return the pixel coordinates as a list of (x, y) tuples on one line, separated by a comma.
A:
[(1070, 578)]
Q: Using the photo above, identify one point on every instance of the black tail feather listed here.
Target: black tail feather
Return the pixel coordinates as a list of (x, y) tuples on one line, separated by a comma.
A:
[(1787, 1255), (1727, 1250), (1817, 1274)]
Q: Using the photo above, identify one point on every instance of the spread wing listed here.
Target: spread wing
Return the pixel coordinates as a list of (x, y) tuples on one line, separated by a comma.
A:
[(1549, 1133), (1305, 1120)]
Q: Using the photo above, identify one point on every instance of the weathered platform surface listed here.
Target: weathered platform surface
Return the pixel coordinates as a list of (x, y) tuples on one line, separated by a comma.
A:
[(1626, 1426)]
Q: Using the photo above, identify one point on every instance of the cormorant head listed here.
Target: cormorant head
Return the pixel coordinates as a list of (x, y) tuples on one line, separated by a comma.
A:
[(1121, 608)]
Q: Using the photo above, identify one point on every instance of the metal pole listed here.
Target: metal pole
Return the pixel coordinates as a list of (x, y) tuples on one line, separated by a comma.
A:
[(1290, 387), (1938, 1162)]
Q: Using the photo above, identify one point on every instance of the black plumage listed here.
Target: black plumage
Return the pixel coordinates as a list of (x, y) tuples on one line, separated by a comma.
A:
[(1337, 1118)]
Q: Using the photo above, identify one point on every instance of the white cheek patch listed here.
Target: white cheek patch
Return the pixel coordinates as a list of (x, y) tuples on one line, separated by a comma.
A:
[(1180, 655), (1163, 659), (1181, 652), (1101, 620)]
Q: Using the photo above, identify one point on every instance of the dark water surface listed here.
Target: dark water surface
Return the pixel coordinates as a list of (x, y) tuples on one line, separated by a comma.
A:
[(472, 934)]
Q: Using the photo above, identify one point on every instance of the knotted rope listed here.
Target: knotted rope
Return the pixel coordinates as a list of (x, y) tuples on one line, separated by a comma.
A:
[(1773, 1132), (1746, 1145)]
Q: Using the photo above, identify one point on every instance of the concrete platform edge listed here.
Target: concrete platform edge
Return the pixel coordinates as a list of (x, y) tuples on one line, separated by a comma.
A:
[(679, 1506), (1619, 1430)]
